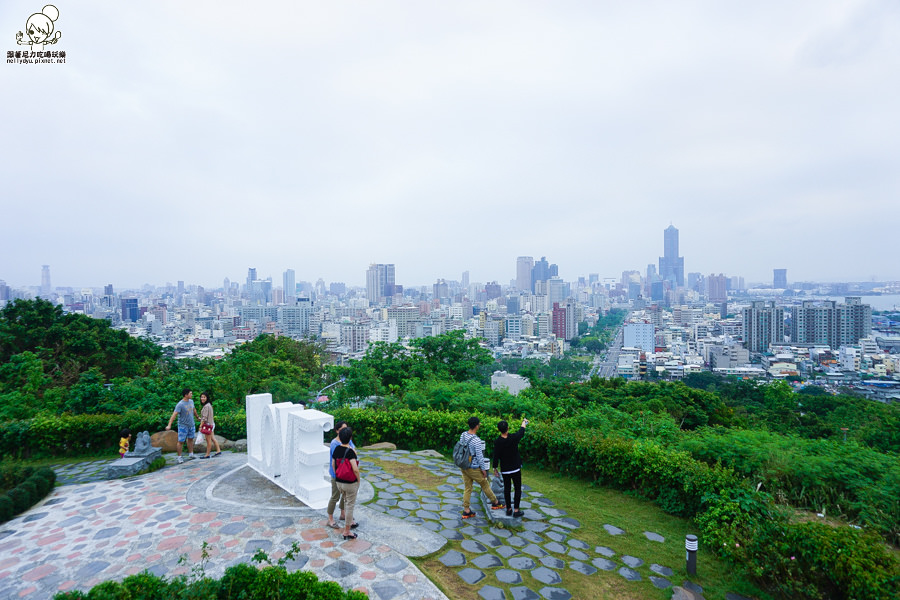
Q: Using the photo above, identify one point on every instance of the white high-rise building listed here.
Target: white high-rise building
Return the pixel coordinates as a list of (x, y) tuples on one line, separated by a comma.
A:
[(290, 287), (640, 335)]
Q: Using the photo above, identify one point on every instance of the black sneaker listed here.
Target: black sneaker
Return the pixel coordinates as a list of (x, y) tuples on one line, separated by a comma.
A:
[(518, 514), (508, 512)]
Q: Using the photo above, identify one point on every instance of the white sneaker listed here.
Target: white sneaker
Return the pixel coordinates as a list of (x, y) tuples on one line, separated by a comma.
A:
[(180, 460), (191, 456)]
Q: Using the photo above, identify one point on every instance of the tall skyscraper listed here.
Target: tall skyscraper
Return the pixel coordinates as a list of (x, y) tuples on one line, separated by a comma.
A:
[(380, 282), (763, 325), (540, 272), (524, 264), (290, 287), (465, 280), (251, 277), (45, 281), (130, 311), (779, 279), (671, 266)]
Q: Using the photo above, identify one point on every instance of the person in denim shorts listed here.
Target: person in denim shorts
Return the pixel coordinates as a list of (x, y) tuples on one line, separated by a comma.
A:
[(186, 414)]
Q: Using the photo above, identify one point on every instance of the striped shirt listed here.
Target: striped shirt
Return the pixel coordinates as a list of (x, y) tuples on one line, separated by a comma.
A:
[(476, 446)]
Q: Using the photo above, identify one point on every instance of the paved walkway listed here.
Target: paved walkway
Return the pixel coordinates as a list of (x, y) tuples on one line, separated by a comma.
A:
[(90, 532)]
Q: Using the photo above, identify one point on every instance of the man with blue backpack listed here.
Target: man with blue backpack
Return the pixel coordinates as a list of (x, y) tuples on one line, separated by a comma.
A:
[(468, 454)]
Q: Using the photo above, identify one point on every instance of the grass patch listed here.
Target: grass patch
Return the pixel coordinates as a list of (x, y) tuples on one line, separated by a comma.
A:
[(97, 455), (414, 474), (593, 507)]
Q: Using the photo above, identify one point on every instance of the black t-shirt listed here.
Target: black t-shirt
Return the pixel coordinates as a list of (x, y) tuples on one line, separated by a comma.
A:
[(506, 451), (340, 453)]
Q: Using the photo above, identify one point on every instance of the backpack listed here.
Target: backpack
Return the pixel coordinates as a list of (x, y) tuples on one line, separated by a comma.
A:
[(344, 470), (462, 454)]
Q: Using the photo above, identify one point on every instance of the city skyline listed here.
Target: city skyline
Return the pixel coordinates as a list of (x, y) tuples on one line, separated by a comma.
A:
[(451, 138)]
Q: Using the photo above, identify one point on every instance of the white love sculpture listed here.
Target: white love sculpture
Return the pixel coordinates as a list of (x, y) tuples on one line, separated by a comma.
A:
[(284, 445)]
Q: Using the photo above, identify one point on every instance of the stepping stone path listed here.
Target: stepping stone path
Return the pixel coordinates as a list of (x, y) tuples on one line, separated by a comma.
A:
[(91, 525)]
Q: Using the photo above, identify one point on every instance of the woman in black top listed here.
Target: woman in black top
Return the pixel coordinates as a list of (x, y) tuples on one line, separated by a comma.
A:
[(348, 484), (506, 453)]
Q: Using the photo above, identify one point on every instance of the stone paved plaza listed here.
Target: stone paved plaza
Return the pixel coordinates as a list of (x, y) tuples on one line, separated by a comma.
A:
[(85, 533)]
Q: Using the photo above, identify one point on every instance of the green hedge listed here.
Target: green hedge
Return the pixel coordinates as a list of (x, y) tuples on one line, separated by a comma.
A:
[(63, 435), (800, 560), (29, 486), (240, 582)]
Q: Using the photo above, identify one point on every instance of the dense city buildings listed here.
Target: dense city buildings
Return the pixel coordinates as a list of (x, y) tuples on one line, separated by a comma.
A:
[(713, 322)]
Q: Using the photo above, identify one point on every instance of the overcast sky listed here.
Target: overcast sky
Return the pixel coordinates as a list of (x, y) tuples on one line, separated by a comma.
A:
[(190, 140)]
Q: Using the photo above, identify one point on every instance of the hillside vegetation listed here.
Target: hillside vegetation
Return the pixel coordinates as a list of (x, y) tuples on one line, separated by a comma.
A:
[(738, 458)]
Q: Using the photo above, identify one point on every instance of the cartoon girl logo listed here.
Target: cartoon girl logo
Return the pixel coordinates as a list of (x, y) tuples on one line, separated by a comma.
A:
[(40, 29)]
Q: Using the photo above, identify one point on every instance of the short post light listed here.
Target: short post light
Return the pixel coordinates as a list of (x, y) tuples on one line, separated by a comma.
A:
[(690, 544)]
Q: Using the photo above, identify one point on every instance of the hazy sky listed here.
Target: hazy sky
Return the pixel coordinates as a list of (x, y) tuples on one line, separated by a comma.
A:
[(191, 140)]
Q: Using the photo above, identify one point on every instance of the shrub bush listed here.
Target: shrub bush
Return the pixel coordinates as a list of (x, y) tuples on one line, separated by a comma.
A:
[(21, 499), (240, 582), (6, 508)]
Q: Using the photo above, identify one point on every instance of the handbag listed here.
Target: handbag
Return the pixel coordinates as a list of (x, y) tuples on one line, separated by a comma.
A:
[(344, 470), (206, 429)]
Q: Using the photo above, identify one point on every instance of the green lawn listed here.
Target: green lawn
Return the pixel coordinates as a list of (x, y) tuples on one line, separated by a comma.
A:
[(594, 507)]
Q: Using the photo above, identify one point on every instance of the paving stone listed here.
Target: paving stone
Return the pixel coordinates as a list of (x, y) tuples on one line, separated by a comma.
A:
[(613, 530), (432, 526), (453, 559), (489, 540), (502, 533), (691, 586), (508, 576), (553, 562), (536, 526), (446, 488), (578, 544), (253, 545), (733, 596), (661, 570), (279, 522), (566, 522), (451, 534), (604, 551), (451, 522), (521, 563), (388, 589), (629, 574), (298, 563), (490, 592), (432, 506), (408, 505), (531, 537), (632, 561), (398, 512), (427, 514), (487, 561), (547, 576), (654, 537), (604, 564), (523, 593), (516, 541), (542, 501), (506, 551), (410, 496), (473, 546), (555, 536), (232, 528), (578, 554), (663, 583), (553, 593), (471, 576), (414, 520), (582, 568), (555, 547), (470, 530), (89, 570), (553, 512), (391, 564), (534, 550), (34, 517), (340, 568)]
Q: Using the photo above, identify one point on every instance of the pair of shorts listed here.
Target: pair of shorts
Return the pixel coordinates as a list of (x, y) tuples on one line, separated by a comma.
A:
[(185, 433)]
